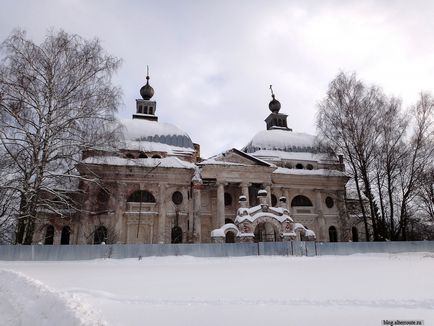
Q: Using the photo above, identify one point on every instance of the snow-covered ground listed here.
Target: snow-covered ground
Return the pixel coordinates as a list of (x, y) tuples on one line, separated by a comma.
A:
[(328, 290)]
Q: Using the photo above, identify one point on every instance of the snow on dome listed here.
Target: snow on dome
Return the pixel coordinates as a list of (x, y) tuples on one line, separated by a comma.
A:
[(282, 140), (166, 162), (152, 131)]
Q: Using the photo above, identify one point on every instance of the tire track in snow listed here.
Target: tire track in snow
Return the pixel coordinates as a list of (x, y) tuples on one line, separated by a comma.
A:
[(376, 303)]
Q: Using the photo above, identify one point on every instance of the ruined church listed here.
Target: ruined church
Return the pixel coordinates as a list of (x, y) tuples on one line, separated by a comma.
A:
[(155, 188)]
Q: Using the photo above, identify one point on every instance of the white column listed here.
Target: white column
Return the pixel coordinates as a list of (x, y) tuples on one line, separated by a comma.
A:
[(197, 206), (162, 214), (220, 204), (268, 189), (245, 191), (321, 220)]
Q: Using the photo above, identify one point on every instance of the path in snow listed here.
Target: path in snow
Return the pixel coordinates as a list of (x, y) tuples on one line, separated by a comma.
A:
[(25, 301)]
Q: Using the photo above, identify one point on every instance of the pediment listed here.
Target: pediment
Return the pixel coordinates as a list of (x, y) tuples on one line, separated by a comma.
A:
[(235, 156)]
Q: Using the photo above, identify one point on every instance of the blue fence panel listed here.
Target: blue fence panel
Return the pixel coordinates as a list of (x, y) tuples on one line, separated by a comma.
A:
[(298, 248), (295, 248), (274, 248), (311, 249)]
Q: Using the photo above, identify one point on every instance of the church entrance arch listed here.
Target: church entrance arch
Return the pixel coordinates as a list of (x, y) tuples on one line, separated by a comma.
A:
[(230, 237), (265, 232)]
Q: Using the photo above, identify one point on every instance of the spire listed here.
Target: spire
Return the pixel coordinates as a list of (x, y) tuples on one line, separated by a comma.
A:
[(147, 91), (274, 104), (276, 120)]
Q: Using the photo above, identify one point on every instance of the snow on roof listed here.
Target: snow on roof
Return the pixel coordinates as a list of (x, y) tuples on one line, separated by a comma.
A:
[(216, 160), (221, 232), (282, 140), (220, 159), (276, 155), (166, 133), (321, 172), (148, 146), (167, 162)]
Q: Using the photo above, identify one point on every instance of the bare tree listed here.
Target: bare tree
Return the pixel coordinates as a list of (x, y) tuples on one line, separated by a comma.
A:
[(391, 151), (389, 166), (417, 160), (347, 123), (56, 100), (426, 195)]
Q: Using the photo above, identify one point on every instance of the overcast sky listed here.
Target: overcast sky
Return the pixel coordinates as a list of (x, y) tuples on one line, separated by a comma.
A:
[(212, 62)]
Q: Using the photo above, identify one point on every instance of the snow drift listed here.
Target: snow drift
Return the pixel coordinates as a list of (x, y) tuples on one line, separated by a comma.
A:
[(29, 302)]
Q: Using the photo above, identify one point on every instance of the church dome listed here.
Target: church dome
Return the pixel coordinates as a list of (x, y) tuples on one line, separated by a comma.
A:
[(281, 140), (156, 132), (274, 105), (147, 91)]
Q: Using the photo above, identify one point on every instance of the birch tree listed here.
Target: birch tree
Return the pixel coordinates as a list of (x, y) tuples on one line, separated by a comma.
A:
[(347, 123), (388, 150), (56, 99)]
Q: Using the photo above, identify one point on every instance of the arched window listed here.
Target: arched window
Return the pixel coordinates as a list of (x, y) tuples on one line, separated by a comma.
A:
[(273, 200), (230, 237), (141, 196), (100, 235), (176, 234), (299, 166), (66, 232), (228, 199), (309, 167), (301, 201), (333, 234), (49, 235), (143, 155), (156, 156), (355, 234)]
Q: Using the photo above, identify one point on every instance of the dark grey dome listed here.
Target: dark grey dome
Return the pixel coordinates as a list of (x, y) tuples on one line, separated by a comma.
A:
[(274, 105), (147, 91)]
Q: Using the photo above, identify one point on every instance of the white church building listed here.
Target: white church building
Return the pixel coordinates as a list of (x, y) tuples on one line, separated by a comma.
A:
[(156, 189)]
